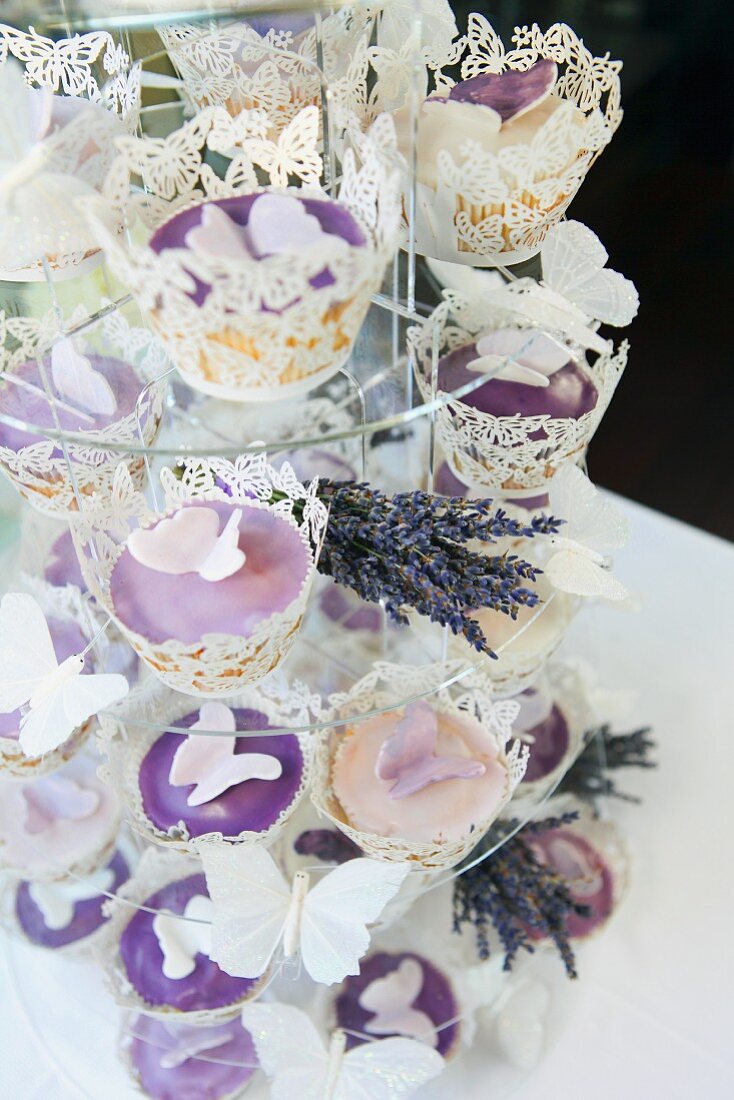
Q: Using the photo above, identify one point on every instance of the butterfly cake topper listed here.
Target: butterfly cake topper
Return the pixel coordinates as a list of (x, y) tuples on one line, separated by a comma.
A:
[(409, 759), (189, 541)]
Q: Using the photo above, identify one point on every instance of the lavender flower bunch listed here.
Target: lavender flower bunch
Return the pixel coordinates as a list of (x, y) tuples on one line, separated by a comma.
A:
[(410, 551), (605, 751), (512, 892)]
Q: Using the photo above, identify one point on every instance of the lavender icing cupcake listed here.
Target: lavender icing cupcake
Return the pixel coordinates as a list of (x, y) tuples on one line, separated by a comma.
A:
[(163, 961), (545, 728), (65, 914), (588, 874), (237, 788), (176, 1061), (400, 994), (67, 640)]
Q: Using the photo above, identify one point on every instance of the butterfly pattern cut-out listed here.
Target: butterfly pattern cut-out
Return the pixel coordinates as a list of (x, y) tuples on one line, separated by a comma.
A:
[(409, 760)]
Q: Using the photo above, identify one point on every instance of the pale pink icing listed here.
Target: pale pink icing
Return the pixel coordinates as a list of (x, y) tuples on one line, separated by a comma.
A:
[(501, 630), (443, 811), (67, 841)]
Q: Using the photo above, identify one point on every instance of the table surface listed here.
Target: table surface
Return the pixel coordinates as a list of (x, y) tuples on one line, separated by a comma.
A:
[(652, 1014)]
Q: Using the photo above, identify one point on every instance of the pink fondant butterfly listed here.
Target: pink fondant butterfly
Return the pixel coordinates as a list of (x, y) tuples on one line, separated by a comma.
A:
[(391, 999), (55, 798), (189, 542), (409, 756)]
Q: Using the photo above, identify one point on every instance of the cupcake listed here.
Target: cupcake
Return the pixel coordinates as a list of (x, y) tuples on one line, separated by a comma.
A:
[(501, 154), (59, 823), (420, 783), (341, 607), (553, 719), (67, 639), (258, 295), (110, 406), (399, 994), (517, 402), (66, 914), (524, 644), (175, 1061), (62, 565), (158, 957), (180, 787)]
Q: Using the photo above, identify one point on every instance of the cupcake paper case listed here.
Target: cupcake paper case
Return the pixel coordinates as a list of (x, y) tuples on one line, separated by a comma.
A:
[(241, 322), (210, 660)]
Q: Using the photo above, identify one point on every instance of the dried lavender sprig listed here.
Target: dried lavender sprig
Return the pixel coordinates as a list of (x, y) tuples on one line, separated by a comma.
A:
[(513, 892), (409, 551), (587, 777)]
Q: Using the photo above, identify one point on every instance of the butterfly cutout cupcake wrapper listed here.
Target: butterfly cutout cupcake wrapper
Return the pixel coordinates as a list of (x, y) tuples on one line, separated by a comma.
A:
[(498, 452), (217, 664), (125, 743), (40, 471), (487, 208), (157, 868), (470, 697), (263, 329)]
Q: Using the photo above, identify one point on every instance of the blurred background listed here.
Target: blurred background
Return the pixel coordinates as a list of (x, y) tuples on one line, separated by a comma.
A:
[(662, 199)]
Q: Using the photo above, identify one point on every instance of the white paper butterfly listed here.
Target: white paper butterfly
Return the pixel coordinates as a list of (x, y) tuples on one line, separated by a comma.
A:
[(77, 381), (391, 999), (292, 1053), (182, 940), (59, 698), (189, 542), (256, 910), (593, 528), (211, 762), (57, 900)]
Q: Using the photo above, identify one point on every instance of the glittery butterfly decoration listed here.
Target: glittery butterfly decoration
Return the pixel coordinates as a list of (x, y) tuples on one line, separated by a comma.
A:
[(180, 940), (256, 910), (76, 380), (578, 563), (292, 1054), (58, 697), (56, 798), (514, 355), (211, 762), (409, 758), (57, 900), (391, 1000), (189, 542)]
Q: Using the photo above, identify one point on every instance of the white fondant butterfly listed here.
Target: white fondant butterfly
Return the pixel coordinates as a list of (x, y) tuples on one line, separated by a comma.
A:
[(292, 1054), (256, 910), (211, 762), (409, 756), (55, 798), (59, 698), (391, 999), (189, 542), (57, 900), (517, 356), (189, 1041), (180, 940), (593, 527), (77, 381)]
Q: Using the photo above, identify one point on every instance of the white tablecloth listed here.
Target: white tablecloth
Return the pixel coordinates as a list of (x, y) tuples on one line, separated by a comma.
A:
[(653, 1013)]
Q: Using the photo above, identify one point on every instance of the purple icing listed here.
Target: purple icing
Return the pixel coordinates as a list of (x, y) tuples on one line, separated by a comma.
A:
[(587, 874), (251, 806), (87, 916), (63, 564), (34, 408), (349, 612), (328, 845), (436, 998), (309, 464), (549, 746), (510, 93), (292, 22), (214, 1073), (186, 607), (570, 393), (67, 639), (204, 988), (332, 218)]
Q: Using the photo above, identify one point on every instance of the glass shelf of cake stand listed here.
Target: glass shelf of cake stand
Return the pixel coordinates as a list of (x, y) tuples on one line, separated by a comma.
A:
[(370, 403)]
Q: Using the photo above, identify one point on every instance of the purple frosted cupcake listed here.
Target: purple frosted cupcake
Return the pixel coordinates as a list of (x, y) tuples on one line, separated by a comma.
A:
[(166, 960), (399, 995), (176, 1061), (59, 914), (193, 785), (587, 874), (62, 564), (67, 640), (544, 727), (343, 608), (277, 357)]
